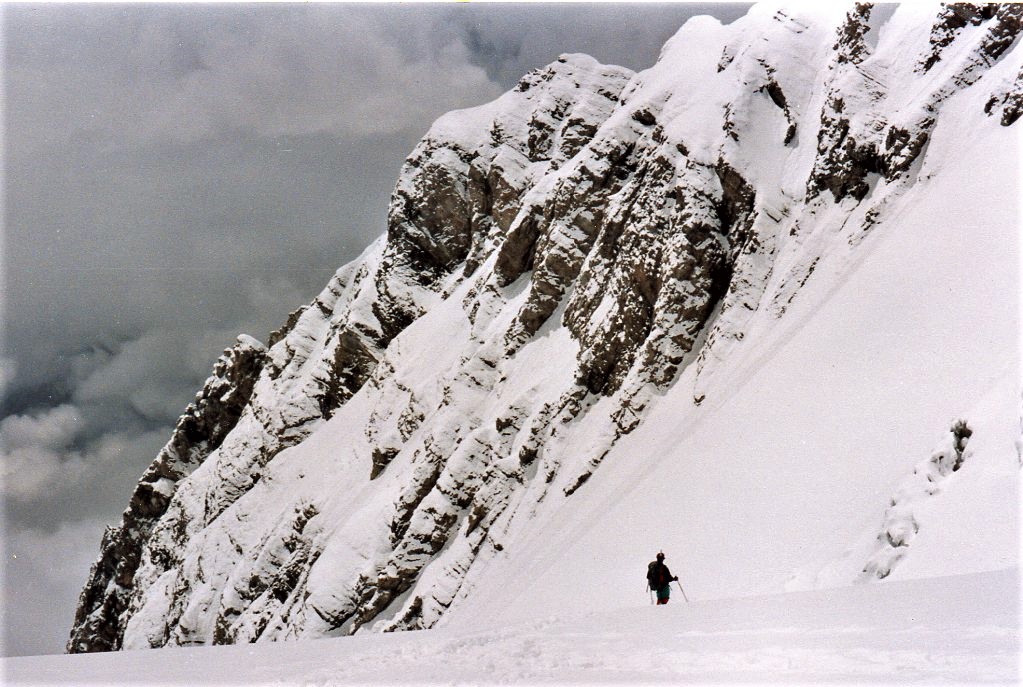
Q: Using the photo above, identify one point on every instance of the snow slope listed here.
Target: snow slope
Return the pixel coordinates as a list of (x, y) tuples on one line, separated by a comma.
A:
[(935, 631), (756, 306), (921, 329)]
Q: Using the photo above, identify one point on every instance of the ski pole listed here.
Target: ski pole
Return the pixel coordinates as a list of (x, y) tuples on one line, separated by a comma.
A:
[(682, 590)]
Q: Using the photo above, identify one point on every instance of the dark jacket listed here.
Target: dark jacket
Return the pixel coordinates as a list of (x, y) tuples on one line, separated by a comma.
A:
[(658, 576)]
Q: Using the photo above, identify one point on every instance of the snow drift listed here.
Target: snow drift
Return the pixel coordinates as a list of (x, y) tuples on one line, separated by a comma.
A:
[(755, 305), (948, 630)]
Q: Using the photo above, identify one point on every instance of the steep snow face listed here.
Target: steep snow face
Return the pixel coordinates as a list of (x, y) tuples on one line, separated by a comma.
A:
[(723, 306)]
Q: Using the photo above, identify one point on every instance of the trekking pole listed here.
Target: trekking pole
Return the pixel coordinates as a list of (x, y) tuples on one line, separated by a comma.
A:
[(682, 590)]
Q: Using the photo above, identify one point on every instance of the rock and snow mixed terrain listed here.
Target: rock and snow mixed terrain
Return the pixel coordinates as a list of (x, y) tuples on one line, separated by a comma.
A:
[(756, 306)]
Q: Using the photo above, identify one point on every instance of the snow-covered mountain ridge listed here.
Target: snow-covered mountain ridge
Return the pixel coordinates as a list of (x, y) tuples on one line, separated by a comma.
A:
[(604, 305)]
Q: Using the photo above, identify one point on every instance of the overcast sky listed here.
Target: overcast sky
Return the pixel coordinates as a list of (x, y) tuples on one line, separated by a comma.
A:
[(178, 174)]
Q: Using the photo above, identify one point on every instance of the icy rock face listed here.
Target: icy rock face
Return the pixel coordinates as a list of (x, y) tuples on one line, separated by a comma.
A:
[(554, 261), (849, 152), (202, 429)]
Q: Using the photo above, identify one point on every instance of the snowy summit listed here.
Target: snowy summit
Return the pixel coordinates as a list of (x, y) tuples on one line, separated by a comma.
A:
[(754, 307)]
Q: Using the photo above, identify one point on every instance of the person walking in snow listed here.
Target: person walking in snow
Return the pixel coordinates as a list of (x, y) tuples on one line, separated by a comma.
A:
[(660, 578)]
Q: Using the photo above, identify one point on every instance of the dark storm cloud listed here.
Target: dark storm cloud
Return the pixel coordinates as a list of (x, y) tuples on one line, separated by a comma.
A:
[(173, 73), (178, 174)]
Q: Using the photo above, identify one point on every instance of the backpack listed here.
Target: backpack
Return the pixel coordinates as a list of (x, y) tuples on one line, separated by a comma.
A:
[(656, 576)]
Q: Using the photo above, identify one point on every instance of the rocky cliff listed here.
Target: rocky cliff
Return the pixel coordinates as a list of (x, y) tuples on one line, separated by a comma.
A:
[(554, 262)]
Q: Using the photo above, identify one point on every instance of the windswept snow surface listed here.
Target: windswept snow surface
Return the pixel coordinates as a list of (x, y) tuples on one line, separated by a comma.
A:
[(928, 631)]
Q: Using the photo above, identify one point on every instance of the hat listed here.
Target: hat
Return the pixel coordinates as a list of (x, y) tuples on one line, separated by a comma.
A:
[(660, 556)]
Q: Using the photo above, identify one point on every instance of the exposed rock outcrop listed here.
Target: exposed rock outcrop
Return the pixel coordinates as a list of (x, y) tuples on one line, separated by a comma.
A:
[(857, 144), (200, 431), (900, 526)]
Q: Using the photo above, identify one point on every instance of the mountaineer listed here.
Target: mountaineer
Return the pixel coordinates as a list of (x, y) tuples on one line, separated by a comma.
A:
[(659, 578)]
